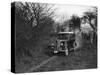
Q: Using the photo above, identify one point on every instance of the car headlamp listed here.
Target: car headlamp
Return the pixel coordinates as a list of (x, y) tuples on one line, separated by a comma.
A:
[(61, 44)]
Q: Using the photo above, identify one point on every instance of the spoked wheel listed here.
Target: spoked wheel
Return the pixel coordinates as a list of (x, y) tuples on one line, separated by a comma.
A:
[(50, 53), (74, 45)]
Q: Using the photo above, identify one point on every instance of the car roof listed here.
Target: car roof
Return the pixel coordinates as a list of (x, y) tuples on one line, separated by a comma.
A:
[(66, 33)]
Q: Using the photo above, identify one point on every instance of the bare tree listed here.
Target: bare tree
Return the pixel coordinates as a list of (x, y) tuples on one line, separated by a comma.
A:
[(92, 16), (34, 12)]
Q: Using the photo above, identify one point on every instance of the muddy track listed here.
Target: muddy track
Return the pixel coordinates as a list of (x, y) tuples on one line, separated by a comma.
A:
[(42, 64)]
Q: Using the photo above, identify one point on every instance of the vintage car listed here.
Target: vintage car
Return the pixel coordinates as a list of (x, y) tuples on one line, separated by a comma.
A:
[(65, 42)]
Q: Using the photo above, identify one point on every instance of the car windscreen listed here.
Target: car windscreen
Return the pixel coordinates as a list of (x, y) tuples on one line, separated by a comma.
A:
[(62, 36), (65, 36)]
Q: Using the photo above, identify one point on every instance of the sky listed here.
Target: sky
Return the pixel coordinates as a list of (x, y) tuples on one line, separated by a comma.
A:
[(66, 11)]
